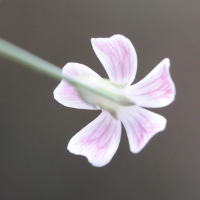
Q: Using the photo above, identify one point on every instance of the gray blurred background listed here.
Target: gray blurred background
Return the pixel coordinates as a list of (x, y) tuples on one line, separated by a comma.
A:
[(35, 129)]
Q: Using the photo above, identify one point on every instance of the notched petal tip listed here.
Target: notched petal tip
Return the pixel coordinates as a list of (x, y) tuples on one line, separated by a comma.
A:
[(157, 89), (98, 141), (66, 94), (141, 125), (118, 57)]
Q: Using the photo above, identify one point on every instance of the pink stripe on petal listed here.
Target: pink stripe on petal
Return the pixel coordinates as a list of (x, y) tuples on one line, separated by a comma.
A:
[(118, 57), (98, 141), (141, 125), (67, 94), (156, 89)]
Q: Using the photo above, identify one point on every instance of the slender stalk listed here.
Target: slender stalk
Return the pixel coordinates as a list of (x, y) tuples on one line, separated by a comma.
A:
[(27, 59)]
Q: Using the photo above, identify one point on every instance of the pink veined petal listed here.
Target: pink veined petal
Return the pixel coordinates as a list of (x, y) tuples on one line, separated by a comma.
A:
[(118, 57), (141, 125), (66, 94), (156, 89), (98, 141)]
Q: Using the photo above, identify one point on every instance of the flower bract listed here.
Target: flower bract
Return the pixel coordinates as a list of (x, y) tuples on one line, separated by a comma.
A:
[(99, 140)]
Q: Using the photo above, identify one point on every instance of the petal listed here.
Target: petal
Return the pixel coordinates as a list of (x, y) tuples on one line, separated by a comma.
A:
[(156, 89), (118, 57), (66, 94), (141, 125), (98, 141)]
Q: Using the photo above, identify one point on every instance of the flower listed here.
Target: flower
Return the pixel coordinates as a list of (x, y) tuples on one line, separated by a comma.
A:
[(99, 140)]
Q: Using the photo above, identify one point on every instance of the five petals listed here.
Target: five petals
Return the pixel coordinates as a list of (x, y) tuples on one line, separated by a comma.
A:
[(99, 140)]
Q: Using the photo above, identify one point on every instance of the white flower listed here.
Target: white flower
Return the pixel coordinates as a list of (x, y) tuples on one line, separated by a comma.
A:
[(99, 140)]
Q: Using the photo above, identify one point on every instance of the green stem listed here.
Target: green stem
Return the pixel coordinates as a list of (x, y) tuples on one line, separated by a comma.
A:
[(17, 54)]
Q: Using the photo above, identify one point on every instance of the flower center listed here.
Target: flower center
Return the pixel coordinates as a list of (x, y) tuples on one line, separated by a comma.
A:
[(105, 88)]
